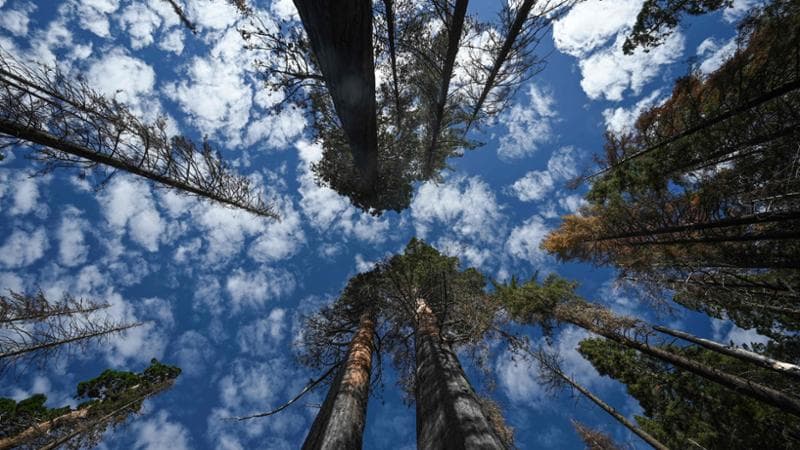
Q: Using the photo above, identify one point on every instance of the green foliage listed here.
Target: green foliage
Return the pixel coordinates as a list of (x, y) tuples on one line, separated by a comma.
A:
[(681, 408), (533, 302), (658, 18)]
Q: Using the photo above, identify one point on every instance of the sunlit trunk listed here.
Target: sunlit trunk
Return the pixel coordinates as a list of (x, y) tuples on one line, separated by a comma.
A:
[(340, 421), (449, 415)]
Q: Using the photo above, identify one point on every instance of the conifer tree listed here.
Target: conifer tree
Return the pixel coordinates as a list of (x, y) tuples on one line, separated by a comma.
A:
[(108, 400), (685, 411)]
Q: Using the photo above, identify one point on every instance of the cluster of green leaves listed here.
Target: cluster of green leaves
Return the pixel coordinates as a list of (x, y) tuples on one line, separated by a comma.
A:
[(658, 18), (681, 409), (17, 416), (534, 302)]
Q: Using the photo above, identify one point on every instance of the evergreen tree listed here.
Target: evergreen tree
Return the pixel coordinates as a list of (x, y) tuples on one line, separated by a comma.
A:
[(109, 400), (686, 411), (554, 301)]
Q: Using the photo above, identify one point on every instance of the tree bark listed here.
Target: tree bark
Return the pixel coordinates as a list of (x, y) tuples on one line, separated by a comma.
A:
[(449, 414), (739, 353), (340, 33), (578, 315), (340, 422)]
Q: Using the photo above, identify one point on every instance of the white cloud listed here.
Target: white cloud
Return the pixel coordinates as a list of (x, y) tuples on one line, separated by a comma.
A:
[(726, 332), (93, 15), (26, 193), (128, 205), (523, 242), (329, 212), (211, 14), (592, 23), (715, 54), (123, 77), (214, 91), (172, 42), (466, 206), (159, 432), (740, 8), (528, 125), (141, 23), (279, 239), (621, 120), (264, 336), (609, 72), (16, 20), (537, 184), (254, 289), (72, 248), (193, 353), (22, 248)]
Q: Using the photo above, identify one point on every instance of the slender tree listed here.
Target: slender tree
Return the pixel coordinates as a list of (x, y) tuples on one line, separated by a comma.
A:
[(554, 301), (71, 125), (594, 439), (33, 328), (552, 374), (685, 411), (109, 400)]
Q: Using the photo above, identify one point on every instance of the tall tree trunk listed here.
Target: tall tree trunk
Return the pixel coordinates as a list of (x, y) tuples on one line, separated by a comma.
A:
[(454, 30), (592, 318), (236, 199), (513, 32), (81, 336), (340, 33), (340, 421), (613, 412), (449, 414), (390, 28), (767, 217), (761, 99), (739, 353)]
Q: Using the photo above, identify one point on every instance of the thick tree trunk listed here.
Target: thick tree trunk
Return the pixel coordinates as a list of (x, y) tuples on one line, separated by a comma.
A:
[(739, 353), (340, 421), (593, 321), (340, 33), (449, 414), (454, 30)]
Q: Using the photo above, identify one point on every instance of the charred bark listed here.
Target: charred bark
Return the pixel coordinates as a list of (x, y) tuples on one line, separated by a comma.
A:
[(340, 33)]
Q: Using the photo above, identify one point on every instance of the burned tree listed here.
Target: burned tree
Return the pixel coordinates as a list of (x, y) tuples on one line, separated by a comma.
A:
[(34, 329), (109, 400), (69, 124)]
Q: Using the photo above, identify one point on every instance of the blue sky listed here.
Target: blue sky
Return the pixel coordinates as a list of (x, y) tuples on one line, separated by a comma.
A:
[(223, 291)]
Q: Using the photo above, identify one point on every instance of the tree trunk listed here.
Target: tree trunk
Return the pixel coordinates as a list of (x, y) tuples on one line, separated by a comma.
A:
[(579, 315), (340, 33), (46, 139), (519, 20), (767, 217), (340, 421), (454, 30), (449, 415), (42, 428), (613, 412), (69, 340), (739, 353)]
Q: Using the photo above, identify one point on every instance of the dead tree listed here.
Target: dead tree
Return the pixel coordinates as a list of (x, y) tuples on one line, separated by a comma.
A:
[(69, 124)]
